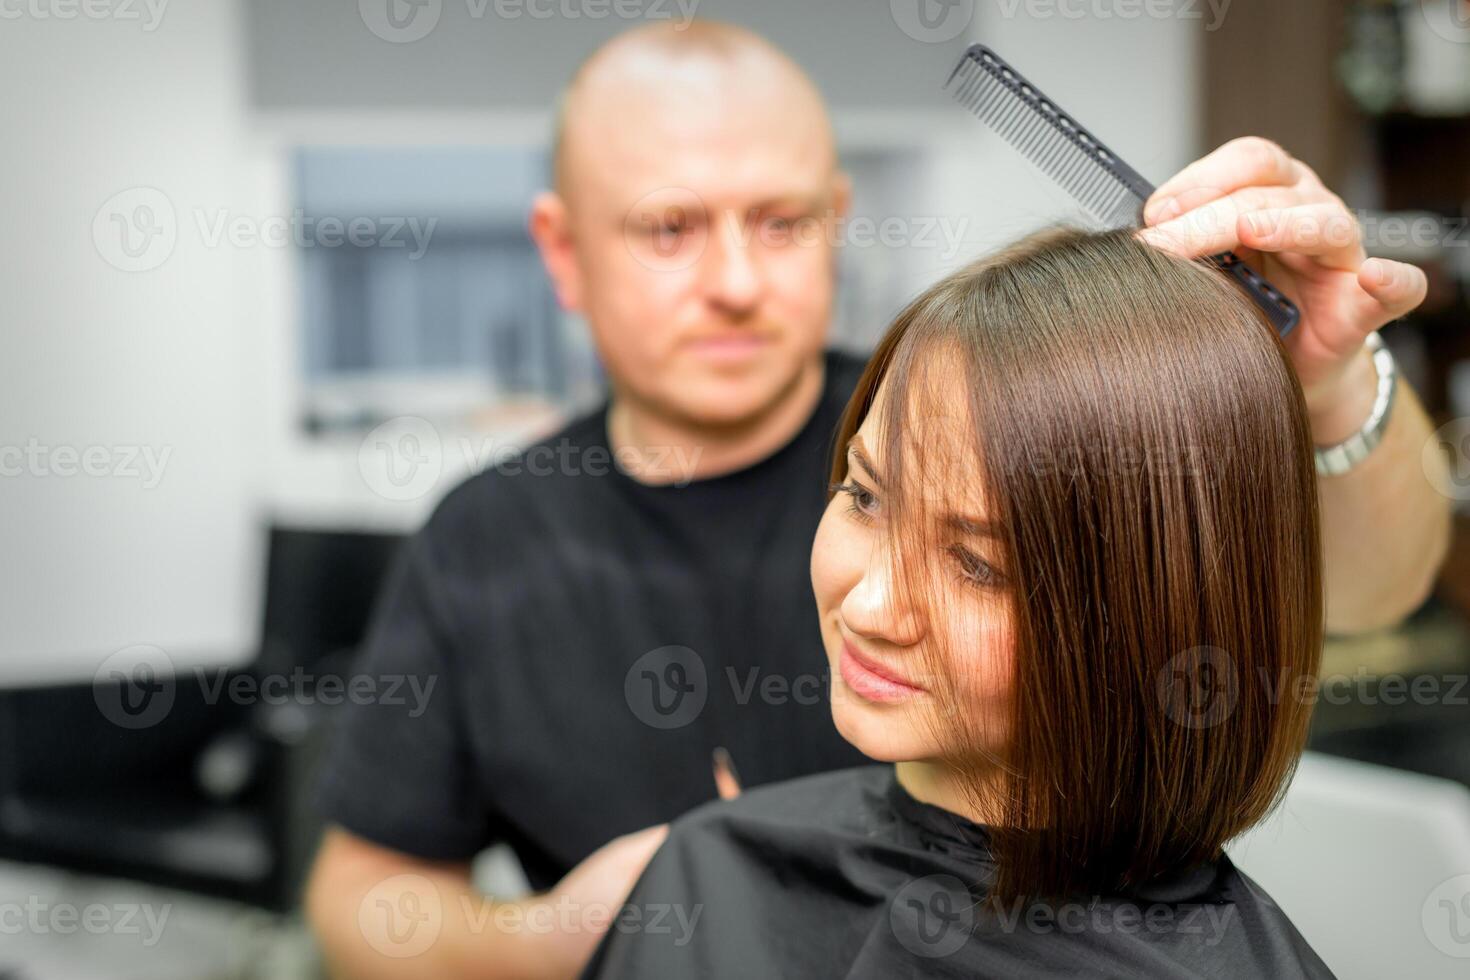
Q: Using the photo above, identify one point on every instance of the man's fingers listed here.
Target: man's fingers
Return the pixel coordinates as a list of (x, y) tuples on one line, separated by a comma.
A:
[(727, 781), (1213, 227), (1245, 162), (647, 840), (1328, 233), (1393, 289)]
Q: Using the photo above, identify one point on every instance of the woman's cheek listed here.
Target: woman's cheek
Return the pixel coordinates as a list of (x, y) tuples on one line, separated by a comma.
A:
[(987, 664), (827, 560)]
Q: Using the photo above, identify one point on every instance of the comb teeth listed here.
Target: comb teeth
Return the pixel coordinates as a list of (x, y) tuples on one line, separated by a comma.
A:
[(1105, 187)]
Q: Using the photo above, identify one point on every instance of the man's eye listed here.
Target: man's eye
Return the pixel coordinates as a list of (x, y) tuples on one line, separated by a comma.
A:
[(671, 221)]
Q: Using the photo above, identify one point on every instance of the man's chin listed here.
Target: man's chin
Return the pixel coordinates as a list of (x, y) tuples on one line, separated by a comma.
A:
[(720, 400)]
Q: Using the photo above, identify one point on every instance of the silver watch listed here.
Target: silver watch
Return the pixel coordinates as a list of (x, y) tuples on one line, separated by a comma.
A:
[(1339, 459)]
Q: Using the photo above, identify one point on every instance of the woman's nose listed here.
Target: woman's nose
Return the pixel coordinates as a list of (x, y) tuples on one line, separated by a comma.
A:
[(878, 607)]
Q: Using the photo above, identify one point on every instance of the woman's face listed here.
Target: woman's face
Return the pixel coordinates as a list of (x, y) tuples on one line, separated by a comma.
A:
[(881, 647)]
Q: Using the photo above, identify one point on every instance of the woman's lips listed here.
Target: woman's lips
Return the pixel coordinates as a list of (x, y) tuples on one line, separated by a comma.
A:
[(871, 681)]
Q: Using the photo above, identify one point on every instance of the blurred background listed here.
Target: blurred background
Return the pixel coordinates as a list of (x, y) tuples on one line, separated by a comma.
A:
[(263, 255)]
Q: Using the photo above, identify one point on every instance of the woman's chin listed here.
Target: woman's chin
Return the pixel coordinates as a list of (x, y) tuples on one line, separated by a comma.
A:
[(880, 733)]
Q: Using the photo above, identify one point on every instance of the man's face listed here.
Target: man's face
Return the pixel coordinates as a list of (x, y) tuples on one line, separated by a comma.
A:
[(702, 231)]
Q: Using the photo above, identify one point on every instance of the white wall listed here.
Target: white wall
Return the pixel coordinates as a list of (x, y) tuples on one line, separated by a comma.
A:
[(198, 356), (1132, 82), (95, 356)]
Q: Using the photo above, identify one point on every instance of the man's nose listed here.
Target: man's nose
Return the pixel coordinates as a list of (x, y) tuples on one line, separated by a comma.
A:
[(732, 269)]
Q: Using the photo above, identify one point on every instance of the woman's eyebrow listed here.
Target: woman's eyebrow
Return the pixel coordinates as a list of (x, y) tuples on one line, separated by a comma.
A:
[(855, 449), (973, 526)]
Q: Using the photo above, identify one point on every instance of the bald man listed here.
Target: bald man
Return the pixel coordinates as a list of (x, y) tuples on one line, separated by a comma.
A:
[(599, 625)]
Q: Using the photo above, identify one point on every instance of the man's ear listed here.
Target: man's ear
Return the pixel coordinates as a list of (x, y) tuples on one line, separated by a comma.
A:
[(550, 228), (841, 193)]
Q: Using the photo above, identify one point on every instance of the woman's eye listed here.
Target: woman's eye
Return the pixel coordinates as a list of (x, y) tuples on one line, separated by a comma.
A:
[(862, 502), (974, 568)]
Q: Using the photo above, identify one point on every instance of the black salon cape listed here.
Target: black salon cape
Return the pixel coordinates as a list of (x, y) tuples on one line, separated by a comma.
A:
[(845, 874)]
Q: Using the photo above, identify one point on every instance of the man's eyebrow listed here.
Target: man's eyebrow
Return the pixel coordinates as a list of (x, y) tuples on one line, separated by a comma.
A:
[(855, 449), (806, 201)]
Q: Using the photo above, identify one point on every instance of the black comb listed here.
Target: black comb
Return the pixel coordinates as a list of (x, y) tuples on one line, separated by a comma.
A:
[(1110, 190)]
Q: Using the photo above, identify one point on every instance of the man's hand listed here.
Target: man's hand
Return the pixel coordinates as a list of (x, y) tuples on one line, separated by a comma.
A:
[(593, 891), (1385, 528), (379, 914), (1252, 196)]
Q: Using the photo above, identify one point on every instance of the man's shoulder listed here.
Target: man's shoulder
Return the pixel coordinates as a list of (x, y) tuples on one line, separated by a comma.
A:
[(843, 799), (844, 369)]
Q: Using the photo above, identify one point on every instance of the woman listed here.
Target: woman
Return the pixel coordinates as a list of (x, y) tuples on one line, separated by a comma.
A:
[(1068, 579)]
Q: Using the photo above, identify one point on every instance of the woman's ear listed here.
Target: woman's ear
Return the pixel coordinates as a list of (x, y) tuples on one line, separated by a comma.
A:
[(550, 228)]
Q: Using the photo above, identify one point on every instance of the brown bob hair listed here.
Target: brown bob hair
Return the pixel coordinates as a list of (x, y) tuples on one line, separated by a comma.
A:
[(1143, 451)]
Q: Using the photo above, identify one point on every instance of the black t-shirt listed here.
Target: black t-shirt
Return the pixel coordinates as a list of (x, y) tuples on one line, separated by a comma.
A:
[(590, 640), (845, 874)]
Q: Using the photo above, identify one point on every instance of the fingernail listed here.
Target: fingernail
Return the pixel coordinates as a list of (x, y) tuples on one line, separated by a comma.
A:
[(1163, 210)]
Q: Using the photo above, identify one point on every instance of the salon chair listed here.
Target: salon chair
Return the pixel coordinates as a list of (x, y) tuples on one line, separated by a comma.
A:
[(1372, 865), (214, 796)]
